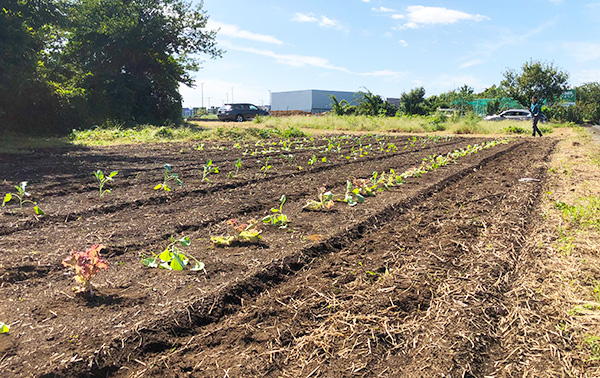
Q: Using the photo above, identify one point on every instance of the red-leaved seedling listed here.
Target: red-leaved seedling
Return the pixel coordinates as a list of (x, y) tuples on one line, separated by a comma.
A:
[(86, 264)]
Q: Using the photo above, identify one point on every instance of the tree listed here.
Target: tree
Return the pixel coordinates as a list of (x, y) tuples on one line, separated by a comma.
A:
[(413, 102), (536, 78), (369, 104), (588, 100), (134, 54), (25, 33)]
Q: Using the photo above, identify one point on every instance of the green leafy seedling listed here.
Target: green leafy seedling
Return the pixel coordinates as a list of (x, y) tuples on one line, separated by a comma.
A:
[(102, 179), (169, 176), (237, 165), (4, 328), (21, 194), (172, 259), (324, 201), (209, 168), (266, 167), (278, 218), (353, 196)]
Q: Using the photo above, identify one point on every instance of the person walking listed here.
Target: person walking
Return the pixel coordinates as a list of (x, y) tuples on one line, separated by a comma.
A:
[(536, 114)]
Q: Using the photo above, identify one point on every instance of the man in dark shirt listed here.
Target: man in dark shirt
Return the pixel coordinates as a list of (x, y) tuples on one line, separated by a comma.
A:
[(536, 114)]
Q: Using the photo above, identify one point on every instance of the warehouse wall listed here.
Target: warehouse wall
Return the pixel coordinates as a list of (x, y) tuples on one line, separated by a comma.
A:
[(315, 101)]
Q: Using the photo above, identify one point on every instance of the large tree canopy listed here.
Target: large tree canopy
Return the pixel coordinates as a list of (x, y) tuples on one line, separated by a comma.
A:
[(121, 60), (540, 79)]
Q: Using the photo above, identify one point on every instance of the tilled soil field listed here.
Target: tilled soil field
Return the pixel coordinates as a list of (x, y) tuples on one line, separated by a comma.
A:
[(409, 283)]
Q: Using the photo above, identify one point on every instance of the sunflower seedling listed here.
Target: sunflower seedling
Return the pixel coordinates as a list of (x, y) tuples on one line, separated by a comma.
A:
[(278, 218), (237, 165), (86, 264), (102, 179), (172, 259), (244, 233), (21, 194), (325, 201), (169, 176), (209, 168), (266, 167)]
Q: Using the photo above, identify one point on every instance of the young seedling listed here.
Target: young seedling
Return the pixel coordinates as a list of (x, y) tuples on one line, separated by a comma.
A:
[(209, 168), (86, 264), (366, 187), (172, 259), (169, 176), (103, 180), (21, 194), (353, 196), (4, 328), (244, 233), (324, 202), (237, 165), (312, 160), (278, 218), (266, 167)]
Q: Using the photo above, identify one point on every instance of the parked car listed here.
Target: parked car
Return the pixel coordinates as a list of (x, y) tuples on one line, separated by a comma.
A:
[(513, 114), (240, 112)]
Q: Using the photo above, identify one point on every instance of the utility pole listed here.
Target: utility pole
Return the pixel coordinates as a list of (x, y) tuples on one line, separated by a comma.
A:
[(202, 91), (232, 94)]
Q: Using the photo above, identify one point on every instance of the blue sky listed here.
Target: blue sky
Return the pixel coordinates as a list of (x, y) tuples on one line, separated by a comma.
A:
[(389, 47)]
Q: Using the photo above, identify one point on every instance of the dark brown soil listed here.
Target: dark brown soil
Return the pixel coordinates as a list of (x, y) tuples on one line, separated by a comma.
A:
[(410, 283)]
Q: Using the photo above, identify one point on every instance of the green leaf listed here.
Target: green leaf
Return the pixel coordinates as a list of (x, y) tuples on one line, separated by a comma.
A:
[(38, 211), (185, 242), (113, 174), (150, 262), (360, 198), (179, 182), (7, 198), (165, 265), (158, 186), (4, 328), (177, 263), (99, 175), (166, 255), (199, 266), (168, 167)]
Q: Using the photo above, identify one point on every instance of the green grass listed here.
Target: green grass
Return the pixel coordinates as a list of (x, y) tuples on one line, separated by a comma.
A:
[(268, 127), (414, 124)]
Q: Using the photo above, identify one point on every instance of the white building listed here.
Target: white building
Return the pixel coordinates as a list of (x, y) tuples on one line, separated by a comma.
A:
[(311, 100)]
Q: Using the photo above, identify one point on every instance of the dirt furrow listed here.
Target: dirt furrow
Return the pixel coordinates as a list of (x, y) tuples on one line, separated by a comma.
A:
[(416, 294), (212, 306)]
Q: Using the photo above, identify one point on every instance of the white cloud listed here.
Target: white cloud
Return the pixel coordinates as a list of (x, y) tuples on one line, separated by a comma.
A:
[(486, 51), (323, 21), (292, 60), (300, 17), (419, 15), (383, 10), (471, 63), (586, 76), (583, 51), (235, 32), (403, 43)]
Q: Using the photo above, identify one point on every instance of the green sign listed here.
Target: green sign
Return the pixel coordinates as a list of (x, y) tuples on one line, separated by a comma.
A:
[(569, 97)]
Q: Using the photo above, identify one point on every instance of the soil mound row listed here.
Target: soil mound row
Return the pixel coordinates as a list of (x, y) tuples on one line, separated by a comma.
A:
[(143, 314), (419, 294)]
